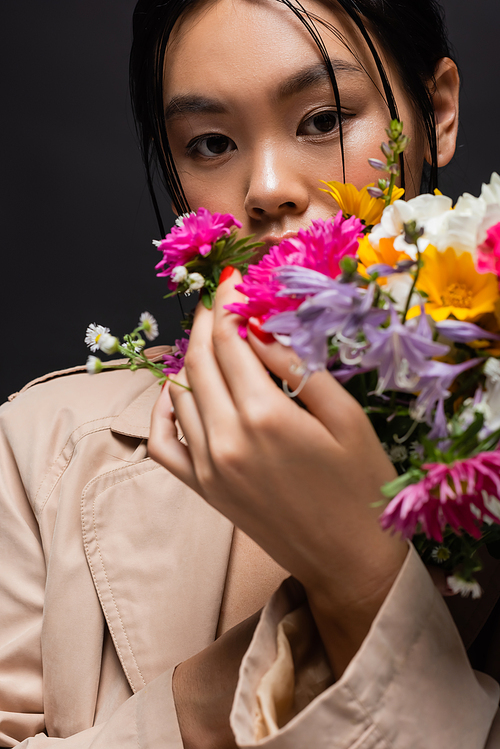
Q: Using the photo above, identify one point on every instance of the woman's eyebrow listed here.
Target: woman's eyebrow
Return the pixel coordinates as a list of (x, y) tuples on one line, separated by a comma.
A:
[(178, 106), (314, 74)]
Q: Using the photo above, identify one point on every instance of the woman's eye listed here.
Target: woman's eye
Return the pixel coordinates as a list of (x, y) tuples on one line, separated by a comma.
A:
[(320, 123), (211, 146)]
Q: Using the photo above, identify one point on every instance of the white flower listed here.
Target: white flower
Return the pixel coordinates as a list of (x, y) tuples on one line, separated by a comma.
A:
[(93, 365), (466, 588), (108, 343), (398, 453), (428, 212), (399, 286), (464, 227), (490, 193), (93, 335), (195, 281), (149, 326), (157, 242), (180, 219), (440, 554), (179, 274)]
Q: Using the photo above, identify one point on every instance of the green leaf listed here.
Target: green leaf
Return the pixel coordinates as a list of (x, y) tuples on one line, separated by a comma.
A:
[(207, 299), (392, 488)]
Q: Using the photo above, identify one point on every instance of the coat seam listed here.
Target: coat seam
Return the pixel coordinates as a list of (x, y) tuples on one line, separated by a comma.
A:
[(65, 465), (86, 545)]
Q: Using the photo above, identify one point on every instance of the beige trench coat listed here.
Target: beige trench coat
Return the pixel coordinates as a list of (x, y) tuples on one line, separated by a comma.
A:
[(112, 572)]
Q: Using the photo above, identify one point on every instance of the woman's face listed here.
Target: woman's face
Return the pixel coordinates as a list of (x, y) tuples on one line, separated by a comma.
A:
[(251, 115)]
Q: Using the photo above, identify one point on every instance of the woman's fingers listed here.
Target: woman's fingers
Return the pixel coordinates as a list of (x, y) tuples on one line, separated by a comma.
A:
[(323, 396), (164, 446), (209, 388), (244, 373)]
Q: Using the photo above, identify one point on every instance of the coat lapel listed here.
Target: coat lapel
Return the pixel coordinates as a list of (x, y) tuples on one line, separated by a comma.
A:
[(158, 555)]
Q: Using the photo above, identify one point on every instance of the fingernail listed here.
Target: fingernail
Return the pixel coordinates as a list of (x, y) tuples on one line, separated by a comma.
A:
[(254, 326), (226, 273)]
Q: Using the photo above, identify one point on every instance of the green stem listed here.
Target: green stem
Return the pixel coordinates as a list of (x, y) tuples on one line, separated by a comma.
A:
[(417, 272), (390, 190)]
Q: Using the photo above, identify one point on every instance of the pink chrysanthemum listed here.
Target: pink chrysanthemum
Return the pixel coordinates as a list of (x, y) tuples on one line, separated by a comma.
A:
[(488, 253), (174, 362), (458, 495), (321, 247), (194, 235)]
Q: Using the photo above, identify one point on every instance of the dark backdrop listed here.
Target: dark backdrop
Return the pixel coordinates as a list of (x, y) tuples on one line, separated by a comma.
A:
[(76, 220)]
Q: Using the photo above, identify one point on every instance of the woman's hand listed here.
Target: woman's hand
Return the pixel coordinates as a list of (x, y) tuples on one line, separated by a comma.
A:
[(300, 483)]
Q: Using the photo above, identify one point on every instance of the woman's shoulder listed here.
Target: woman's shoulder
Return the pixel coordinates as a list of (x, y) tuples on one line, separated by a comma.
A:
[(56, 410)]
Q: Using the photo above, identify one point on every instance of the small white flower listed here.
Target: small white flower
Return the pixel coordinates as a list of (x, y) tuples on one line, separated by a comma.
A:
[(93, 365), (398, 453), (180, 219), (466, 588), (157, 242), (179, 274), (195, 281), (440, 554), (93, 335), (108, 343), (149, 326)]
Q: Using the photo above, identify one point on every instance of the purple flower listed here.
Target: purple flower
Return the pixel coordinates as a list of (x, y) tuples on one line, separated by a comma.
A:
[(433, 385), (340, 310), (463, 332), (401, 353), (174, 362)]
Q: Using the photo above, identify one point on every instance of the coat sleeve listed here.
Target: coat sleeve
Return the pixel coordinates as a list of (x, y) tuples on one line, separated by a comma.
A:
[(409, 685), (148, 719)]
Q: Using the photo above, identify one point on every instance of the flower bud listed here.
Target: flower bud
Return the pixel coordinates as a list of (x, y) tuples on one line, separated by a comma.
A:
[(108, 343), (378, 164), (382, 183), (386, 150), (93, 365), (348, 264), (375, 192), (179, 274), (394, 169), (195, 281)]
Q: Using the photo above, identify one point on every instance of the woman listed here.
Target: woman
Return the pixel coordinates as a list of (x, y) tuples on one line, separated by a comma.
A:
[(142, 574)]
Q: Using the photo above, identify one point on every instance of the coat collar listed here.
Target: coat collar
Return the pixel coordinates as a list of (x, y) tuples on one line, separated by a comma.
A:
[(135, 420)]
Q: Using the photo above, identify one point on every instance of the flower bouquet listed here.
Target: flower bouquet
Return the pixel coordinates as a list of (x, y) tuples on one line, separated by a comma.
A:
[(400, 302)]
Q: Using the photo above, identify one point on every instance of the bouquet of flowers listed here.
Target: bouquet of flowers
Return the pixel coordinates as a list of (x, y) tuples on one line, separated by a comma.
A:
[(400, 302)]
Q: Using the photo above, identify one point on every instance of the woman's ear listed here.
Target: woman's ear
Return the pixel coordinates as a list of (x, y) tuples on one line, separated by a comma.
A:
[(444, 93)]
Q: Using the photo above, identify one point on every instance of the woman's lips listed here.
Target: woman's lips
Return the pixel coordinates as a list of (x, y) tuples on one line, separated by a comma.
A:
[(270, 240)]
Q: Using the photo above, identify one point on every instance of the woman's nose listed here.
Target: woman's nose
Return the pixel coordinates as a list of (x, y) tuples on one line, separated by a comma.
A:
[(275, 186)]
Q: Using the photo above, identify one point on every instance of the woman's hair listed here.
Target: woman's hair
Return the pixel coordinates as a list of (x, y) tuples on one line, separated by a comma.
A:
[(412, 34)]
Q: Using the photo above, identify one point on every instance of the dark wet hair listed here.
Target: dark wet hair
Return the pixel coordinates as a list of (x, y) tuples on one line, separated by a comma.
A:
[(412, 32)]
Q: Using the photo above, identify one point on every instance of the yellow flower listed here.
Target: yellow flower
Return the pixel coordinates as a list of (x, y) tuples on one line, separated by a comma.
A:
[(386, 254), (354, 202), (454, 287)]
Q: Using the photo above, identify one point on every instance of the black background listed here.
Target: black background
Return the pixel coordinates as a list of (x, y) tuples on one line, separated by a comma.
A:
[(76, 224)]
